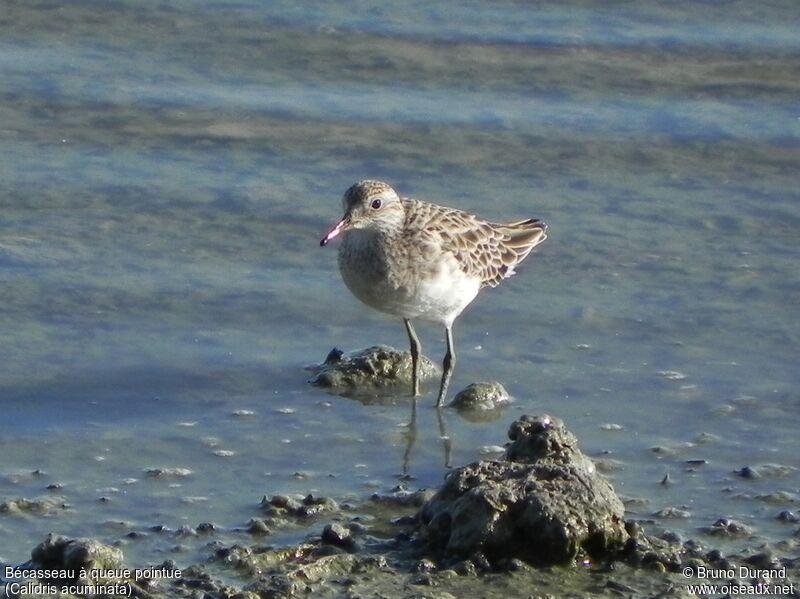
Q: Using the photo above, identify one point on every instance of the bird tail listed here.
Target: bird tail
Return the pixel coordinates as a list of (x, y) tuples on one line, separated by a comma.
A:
[(521, 238)]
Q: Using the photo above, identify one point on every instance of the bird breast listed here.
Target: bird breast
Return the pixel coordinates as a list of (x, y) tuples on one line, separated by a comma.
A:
[(410, 281)]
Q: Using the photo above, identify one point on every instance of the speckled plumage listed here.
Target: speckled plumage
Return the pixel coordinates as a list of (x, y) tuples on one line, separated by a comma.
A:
[(415, 259)]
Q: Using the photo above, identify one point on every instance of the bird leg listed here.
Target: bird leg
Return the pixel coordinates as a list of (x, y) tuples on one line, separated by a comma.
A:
[(447, 366), (416, 347)]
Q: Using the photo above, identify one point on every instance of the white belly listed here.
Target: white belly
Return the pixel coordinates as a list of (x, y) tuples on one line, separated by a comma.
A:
[(433, 290), (443, 296)]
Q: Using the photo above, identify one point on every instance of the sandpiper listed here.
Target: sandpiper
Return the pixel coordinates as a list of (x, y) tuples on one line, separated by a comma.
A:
[(414, 259)]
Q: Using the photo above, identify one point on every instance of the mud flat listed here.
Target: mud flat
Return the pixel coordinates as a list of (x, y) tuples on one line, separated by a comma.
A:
[(539, 522)]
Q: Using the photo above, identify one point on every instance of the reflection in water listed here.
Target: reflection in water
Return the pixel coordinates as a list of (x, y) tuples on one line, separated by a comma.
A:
[(411, 434), (447, 444)]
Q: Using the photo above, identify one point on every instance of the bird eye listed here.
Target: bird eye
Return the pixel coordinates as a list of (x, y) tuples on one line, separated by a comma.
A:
[(376, 204)]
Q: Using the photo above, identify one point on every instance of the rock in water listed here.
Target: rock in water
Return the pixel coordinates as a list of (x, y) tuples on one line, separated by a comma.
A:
[(481, 397), (368, 369), (544, 503), (60, 553)]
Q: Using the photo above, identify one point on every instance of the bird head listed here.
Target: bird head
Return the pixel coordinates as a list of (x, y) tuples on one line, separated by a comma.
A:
[(370, 205)]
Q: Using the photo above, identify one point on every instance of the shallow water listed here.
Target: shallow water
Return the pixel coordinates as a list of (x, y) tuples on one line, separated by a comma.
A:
[(167, 170)]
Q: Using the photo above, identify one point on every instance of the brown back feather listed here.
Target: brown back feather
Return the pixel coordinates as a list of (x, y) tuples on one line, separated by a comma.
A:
[(489, 249)]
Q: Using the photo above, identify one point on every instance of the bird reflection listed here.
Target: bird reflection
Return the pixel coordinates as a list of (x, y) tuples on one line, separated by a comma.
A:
[(412, 433)]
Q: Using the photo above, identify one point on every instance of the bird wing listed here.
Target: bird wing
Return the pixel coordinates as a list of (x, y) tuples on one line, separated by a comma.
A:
[(487, 250)]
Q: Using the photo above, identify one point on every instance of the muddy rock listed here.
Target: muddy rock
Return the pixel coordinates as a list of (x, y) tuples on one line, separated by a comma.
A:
[(368, 369), (60, 553), (37, 506), (258, 526), (338, 535), (298, 571), (282, 508), (544, 440), (167, 473), (788, 516), (481, 397), (402, 497), (671, 512), (544, 503), (725, 527)]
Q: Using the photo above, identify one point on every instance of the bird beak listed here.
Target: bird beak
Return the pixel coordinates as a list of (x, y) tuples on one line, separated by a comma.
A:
[(342, 225)]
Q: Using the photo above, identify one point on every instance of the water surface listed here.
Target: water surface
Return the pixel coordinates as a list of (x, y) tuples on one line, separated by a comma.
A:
[(166, 172)]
